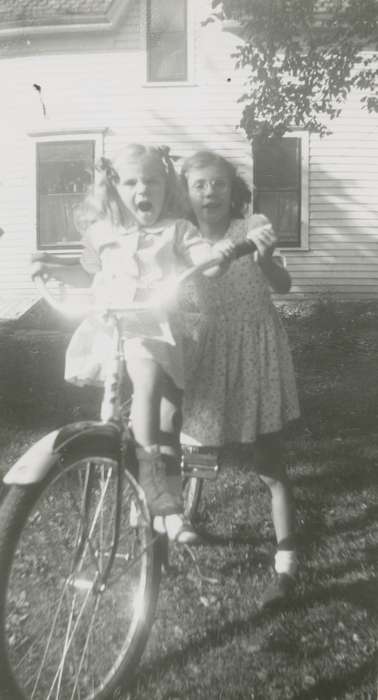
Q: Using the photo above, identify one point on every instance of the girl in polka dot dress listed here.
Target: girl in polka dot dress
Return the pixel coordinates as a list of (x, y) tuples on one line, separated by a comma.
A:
[(240, 385)]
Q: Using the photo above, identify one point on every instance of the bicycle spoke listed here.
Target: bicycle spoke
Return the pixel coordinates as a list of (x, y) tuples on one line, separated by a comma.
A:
[(49, 639), (82, 521), (84, 649), (67, 644), (80, 617)]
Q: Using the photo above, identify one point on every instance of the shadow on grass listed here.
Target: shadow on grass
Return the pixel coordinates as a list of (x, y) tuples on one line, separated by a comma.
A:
[(361, 593), (330, 689), (315, 530), (214, 637), (242, 535)]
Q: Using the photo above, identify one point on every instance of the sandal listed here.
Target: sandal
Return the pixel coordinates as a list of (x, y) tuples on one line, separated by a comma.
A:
[(186, 534)]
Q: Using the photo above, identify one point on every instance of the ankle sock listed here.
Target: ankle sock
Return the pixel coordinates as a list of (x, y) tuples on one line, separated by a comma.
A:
[(286, 562), (150, 449)]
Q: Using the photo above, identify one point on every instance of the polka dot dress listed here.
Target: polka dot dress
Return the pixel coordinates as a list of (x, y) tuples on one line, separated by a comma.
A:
[(239, 377)]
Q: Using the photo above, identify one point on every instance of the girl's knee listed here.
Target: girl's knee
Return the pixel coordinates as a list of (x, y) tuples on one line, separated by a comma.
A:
[(144, 376), (171, 409), (266, 457), (275, 483)]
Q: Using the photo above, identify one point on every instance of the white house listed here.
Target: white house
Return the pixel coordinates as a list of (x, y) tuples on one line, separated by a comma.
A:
[(79, 78)]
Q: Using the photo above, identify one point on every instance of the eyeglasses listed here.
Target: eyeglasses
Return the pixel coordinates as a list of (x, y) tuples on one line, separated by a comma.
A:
[(217, 185)]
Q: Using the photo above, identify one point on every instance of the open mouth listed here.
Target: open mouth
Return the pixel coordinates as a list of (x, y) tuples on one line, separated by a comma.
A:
[(144, 206)]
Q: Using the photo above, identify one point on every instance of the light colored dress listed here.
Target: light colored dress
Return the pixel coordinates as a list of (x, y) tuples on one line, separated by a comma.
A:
[(239, 374), (128, 264)]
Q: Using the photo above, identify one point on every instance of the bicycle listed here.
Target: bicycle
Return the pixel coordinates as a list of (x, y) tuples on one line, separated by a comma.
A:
[(80, 564)]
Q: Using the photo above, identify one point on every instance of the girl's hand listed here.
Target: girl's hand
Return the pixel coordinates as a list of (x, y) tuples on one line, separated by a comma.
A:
[(41, 267), (265, 239), (263, 236), (221, 256), (223, 252)]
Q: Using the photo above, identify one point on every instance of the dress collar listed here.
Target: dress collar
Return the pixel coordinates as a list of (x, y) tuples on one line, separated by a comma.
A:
[(156, 229)]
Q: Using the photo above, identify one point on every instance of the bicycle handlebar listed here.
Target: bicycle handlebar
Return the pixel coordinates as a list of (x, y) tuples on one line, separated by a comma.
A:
[(241, 249)]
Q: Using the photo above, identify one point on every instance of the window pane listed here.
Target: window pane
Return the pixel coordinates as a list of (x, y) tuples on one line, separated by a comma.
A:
[(276, 163), (167, 15), (167, 40), (282, 209), (64, 174), (277, 181), (167, 57)]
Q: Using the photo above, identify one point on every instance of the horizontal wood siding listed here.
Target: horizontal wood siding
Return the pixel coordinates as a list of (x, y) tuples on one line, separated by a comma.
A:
[(91, 89), (343, 255)]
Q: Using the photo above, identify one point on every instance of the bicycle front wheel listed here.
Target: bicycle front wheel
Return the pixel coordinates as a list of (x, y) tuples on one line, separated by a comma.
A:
[(78, 585)]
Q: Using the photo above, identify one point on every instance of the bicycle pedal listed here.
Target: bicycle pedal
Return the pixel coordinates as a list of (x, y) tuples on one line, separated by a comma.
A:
[(200, 466)]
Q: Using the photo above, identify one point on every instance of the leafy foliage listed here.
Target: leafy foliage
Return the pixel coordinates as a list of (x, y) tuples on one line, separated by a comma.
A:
[(302, 57)]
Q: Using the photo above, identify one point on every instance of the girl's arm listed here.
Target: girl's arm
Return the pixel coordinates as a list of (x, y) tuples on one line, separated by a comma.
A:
[(195, 250), (277, 276), (75, 273), (263, 236)]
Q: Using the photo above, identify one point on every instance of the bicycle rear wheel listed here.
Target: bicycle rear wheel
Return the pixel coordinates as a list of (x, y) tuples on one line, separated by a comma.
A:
[(74, 619)]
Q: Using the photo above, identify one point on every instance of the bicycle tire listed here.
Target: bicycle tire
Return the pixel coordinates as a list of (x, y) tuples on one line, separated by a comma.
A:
[(192, 492), (62, 635)]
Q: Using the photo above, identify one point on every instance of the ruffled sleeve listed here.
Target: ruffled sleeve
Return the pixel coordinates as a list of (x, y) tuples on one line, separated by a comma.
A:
[(190, 247)]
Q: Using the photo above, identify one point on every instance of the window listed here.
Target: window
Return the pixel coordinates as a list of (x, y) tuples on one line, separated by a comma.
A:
[(167, 45), (280, 187), (64, 173)]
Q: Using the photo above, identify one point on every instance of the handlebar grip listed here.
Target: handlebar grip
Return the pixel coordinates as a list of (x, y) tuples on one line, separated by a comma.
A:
[(246, 247), (64, 262), (52, 259)]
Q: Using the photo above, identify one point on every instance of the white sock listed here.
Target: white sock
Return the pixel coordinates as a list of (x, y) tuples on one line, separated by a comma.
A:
[(159, 525), (173, 523), (152, 449), (286, 562)]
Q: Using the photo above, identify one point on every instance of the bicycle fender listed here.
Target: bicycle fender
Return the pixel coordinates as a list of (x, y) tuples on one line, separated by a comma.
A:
[(39, 459)]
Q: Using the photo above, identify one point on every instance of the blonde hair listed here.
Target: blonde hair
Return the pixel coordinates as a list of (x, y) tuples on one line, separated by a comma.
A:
[(104, 201)]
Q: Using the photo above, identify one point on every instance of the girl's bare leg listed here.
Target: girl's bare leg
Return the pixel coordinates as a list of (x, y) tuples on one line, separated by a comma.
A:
[(156, 421), (271, 470), (285, 561), (282, 507), (146, 378)]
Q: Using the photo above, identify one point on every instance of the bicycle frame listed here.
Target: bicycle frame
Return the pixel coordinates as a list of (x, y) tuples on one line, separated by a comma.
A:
[(35, 464)]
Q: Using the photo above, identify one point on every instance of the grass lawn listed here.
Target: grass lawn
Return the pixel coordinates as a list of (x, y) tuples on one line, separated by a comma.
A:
[(210, 640)]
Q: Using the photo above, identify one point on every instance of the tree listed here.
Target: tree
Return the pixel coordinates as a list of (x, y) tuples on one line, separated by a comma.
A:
[(302, 58)]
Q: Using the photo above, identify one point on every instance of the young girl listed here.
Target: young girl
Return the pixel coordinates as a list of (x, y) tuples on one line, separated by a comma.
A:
[(133, 242), (240, 388)]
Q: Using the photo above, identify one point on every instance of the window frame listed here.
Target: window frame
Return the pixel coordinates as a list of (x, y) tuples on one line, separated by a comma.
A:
[(304, 137), (96, 136), (190, 49)]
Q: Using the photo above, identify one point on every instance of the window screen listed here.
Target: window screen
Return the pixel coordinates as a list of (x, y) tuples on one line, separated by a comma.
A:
[(64, 174)]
